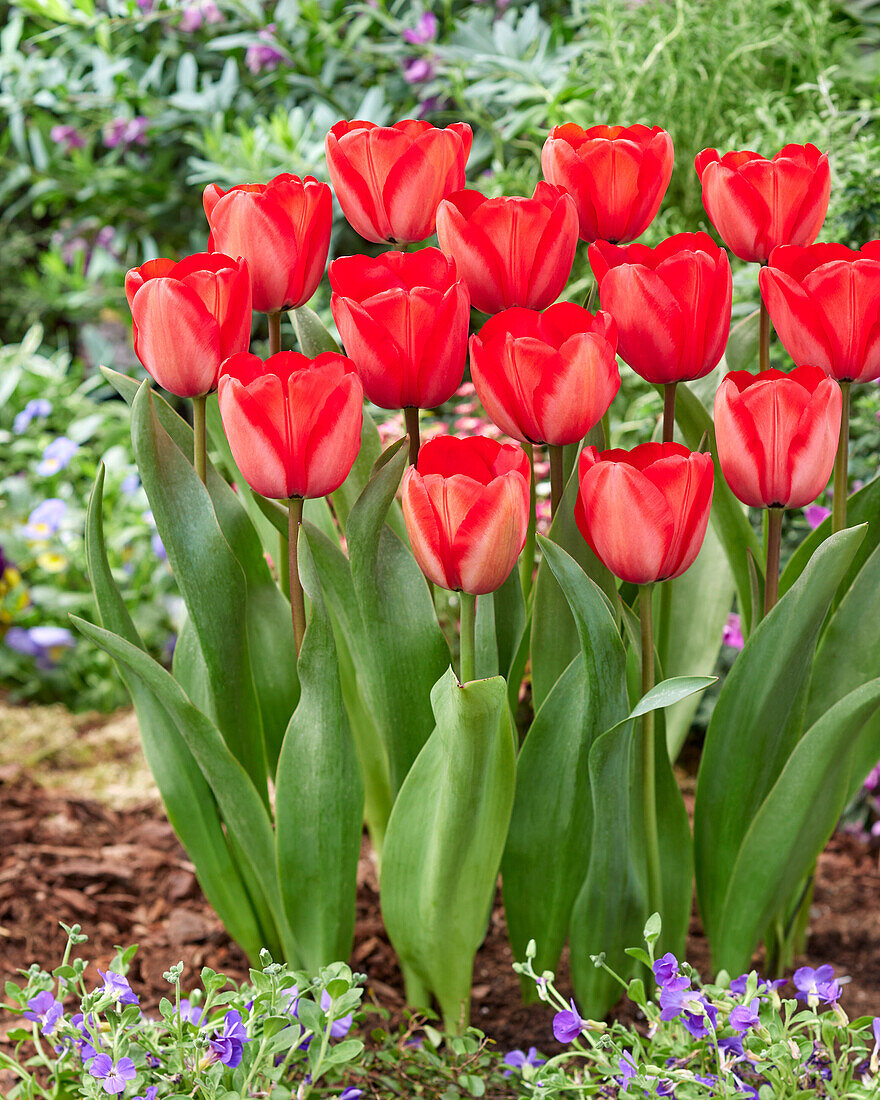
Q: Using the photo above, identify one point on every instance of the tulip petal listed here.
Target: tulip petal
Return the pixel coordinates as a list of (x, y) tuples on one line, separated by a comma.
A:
[(176, 339), (251, 417), (491, 537), (423, 528)]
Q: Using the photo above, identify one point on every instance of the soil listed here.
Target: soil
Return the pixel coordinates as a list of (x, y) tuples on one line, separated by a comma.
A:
[(113, 865)]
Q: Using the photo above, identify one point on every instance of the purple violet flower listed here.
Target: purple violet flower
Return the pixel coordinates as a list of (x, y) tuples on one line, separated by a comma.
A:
[(666, 969), (516, 1059), (56, 456), (627, 1068), (117, 986), (744, 1017), (68, 137), (44, 1010), (264, 54), (45, 519), (84, 1044), (227, 1046), (39, 407), (112, 1075), (341, 1027), (567, 1026), (417, 70), (875, 1053), (151, 1093), (425, 30), (819, 985), (126, 131), (191, 20), (815, 514), (351, 1093), (732, 633), (193, 1014), (45, 643), (702, 1021)]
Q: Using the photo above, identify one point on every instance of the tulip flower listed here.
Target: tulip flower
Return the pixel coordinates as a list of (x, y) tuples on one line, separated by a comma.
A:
[(390, 179), (466, 509), (510, 251), (188, 317), (282, 229), (824, 301), (294, 428), (672, 308), (546, 377), (404, 322), (777, 435), (757, 204), (617, 176)]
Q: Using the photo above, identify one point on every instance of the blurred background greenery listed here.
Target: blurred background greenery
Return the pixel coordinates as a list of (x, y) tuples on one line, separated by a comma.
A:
[(114, 114)]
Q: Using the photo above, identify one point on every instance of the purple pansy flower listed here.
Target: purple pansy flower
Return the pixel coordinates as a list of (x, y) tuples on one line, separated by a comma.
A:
[(112, 1075), (117, 986), (227, 1046), (151, 1093), (701, 1020), (56, 456), (418, 70), (45, 643), (744, 1017), (666, 969), (351, 1093), (733, 1046), (84, 1044), (627, 1068), (567, 1026), (45, 519), (425, 30), (516, 1059), (126, 131), (815, 514), (193, 1014), (44, 1010), (875, 1053), (40, 406), (732, 634), (817, 985), (341, 1027)]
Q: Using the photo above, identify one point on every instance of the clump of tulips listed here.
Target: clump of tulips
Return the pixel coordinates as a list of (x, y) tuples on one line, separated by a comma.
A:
[(312, 662)]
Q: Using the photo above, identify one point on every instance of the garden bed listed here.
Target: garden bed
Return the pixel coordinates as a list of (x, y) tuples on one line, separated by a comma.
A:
[(93, 847)]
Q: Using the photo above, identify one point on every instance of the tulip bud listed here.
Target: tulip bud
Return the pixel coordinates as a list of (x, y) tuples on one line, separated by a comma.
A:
[(617, 176), (777, 435), (757, 204), (282, 229), (293, 424), (188, 317), (510, 251), (390, 179), (546, 377), (466, 508), (404, 321), (644, 512)]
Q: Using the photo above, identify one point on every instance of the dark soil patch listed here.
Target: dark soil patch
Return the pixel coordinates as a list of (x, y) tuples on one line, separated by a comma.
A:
[(123, 876)]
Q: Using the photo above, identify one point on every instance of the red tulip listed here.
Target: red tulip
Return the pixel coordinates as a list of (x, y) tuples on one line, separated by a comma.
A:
[(546, 377), (756, 204), (644, 512), (777, 435), (466, 507), (294, 424), (824, 301), (282, 228), (510, 251), (617, 176), (188, 317), (389, 179), (671, 304), (404, 321)]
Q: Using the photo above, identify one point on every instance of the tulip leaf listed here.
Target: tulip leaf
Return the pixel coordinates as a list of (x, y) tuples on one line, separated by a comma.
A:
[(313, 336), (728, 515), (319, 797), (862, 507), (791, 827), (402, 652), (846, 658), (241, 806), (554, 637), (185, 793), (669, 692), (500, 624), (210, 580), (757, 720), (445, 839), (696, 607)]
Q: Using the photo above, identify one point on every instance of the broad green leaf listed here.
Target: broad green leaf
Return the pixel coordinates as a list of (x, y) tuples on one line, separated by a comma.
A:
[(185, 793), (355, 483), (548, 846), (862, 507), (728, 516), (445, 839), (698, 603), (210, 580), (846, 658), (791, 827), (757, 720), (669, 692), (554, 637), (401, 653), (312, 334), (241, 806), (501, 621), (319, 797)]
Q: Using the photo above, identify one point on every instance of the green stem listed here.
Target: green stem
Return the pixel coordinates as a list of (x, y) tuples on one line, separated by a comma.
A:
[(527, 561), (411, 416), (764, 339), (588, 304), (274, 333), (649, 793), (297, 599), (774, 542), (283, 556), (468, 624), (841, 477), (669, 411), (200, 439), (557, 477)]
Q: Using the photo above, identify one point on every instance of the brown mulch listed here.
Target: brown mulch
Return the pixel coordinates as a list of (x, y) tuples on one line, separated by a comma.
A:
[(123, 876)]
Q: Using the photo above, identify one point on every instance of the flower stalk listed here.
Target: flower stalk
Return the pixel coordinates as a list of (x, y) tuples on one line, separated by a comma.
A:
[(297, 598), (841, 462), (411, 417), (649, 791), (200, 438), (557, 477), (527, 560), (669, 411), (468, 637), (774, 542)]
